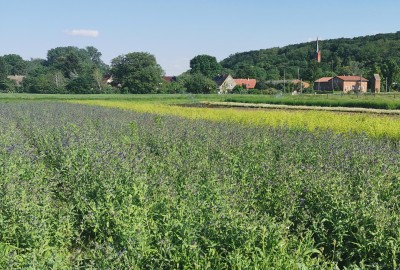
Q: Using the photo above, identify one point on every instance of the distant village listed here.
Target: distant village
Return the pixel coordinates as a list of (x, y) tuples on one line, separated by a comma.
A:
[(345, 84)]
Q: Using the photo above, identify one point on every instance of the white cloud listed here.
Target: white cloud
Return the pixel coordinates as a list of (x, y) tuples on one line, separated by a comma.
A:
[(83, 33)]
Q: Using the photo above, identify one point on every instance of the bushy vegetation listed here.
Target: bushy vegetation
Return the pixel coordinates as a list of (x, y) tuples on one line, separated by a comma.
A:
[(91, 187)]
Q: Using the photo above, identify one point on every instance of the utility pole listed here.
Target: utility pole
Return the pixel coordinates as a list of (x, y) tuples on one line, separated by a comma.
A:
[(333, 89), (386, 85), (301, 86), (284, 81)]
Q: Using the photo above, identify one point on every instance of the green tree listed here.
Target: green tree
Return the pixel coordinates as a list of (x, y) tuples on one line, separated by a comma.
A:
[(82, 84), (253, 72), (95, 59), (67, 59), (391, 71), (66, 68), (138, 72), (6, 85), (44, 80), (3, 68), (94, 55), (89, 82), (34, 64), (176, 86), (97, 77), (73, 61), (354, 69), (206, 65), (15, 64), (200, 84), (314, 71), (272, 74)]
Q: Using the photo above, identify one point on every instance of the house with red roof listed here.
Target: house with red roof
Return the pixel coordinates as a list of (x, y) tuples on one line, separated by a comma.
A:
[(342, 83), (226, 83), (169, 78), (246, 83)]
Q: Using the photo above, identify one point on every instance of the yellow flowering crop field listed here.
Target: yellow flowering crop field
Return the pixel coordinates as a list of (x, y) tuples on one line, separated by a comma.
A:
[(373, 125)]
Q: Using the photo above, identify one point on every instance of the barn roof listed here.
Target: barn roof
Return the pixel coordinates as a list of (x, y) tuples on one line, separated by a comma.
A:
[(169, 78), (352, 78), (323, 79)]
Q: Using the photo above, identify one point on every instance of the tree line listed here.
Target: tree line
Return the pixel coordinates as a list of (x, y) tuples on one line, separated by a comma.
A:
[(81, 70)]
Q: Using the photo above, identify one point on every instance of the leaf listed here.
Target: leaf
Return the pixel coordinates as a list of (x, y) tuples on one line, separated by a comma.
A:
[(312, 251)]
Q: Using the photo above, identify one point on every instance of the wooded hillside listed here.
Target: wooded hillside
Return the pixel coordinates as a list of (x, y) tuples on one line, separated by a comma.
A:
[(343, 56)]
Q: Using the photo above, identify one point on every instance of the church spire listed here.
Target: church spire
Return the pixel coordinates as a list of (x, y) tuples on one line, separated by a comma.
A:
[(318, 52)]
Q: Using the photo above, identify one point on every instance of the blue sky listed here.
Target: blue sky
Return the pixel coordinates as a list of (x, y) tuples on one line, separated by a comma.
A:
[(175, 31)]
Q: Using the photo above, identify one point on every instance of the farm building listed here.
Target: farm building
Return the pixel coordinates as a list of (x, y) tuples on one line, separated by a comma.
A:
[(169, 79), (342, 83), (17, 79), (376, 83), (324, 84), (226, 83)]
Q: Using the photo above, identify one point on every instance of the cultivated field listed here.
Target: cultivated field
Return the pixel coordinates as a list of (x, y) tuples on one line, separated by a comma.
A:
[(378, 101), (364, 124), (156, 186)]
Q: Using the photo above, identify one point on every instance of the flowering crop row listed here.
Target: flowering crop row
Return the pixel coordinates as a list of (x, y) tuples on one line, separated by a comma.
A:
[(95, 188), (378, 126)]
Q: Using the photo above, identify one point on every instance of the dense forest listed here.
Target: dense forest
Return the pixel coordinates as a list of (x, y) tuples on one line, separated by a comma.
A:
[(75, 70)]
